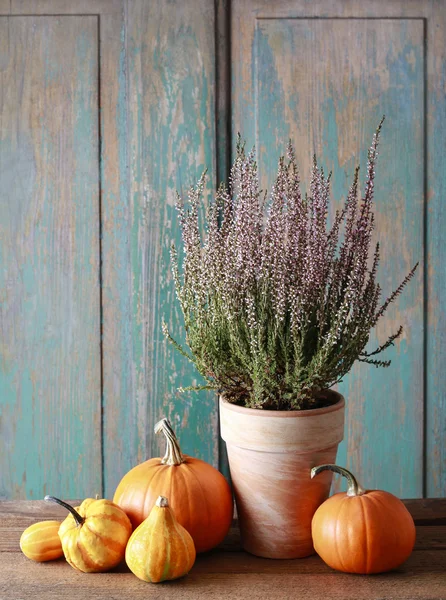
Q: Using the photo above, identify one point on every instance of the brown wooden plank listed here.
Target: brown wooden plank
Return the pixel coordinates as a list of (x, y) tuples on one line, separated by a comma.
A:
[(31, 509), (166, 76), (427, 510), (422, 576), (428, 538), (424, 511), (225, 572)]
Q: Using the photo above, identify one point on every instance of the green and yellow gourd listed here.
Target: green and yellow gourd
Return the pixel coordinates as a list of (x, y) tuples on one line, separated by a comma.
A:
[(160, 549)]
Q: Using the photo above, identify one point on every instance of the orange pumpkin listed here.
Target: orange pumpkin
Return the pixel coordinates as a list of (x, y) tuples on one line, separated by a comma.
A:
[(199, 495), (362, 531)]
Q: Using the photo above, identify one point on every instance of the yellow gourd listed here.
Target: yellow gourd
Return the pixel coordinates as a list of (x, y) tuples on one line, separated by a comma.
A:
[(160, 549), (40, 542), (94, 535)]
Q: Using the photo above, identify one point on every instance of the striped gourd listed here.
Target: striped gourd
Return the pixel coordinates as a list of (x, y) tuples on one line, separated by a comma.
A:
[(94, 535), (41, 542)]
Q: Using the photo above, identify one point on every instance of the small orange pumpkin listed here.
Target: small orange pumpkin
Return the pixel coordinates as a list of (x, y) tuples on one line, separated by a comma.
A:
[(160, 549), (94, 535), (40, 541), (199, 495), (362, 531)]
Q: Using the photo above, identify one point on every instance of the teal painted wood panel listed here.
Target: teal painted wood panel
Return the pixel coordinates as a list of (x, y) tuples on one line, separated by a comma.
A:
[(325, 83), (166, 124), (50, 394), (435, 458), (161, 76)]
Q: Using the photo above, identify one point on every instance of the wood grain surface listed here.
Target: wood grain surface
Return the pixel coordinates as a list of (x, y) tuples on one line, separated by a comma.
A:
[(166, 77), (167, 117), (323, 74), (49, 255), (226, 572)]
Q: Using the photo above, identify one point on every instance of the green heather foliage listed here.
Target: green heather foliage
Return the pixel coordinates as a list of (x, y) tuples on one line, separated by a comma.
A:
[(277, 307)]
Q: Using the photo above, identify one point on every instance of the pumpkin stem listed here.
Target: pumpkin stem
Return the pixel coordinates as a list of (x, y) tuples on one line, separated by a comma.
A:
[(173, 456), (354, 489), (79, 520), (162, 502)]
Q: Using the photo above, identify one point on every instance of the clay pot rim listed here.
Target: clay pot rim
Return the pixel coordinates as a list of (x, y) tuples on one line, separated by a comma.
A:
[(311, 412)]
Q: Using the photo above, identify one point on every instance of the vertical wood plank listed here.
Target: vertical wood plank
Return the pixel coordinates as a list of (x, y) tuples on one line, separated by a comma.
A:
[(49, 257), (168, 53), (223, 88), (116, 298), (325, 83), (223, 131), (435, 459)]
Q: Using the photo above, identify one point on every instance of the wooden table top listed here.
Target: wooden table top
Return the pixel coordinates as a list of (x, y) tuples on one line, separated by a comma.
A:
[(226, 572)]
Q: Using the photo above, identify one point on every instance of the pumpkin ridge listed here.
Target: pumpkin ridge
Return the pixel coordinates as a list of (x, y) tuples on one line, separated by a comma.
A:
[(107, 502), (86, 558), (126, 491), (69, 523), (341, 506), (377, 500), (189, 511), (156, 473), (110, 542), (46, 524), (148, 552), (170, 476), (181, 531), (70, 562), (365, 535), (162, 514), (105, 517), (167, 563), (203, 495), (39, 541), (184, 534)]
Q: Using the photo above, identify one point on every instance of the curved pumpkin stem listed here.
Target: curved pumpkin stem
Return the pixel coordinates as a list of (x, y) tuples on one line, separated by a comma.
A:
[(354, 489), (173, 456), (79, 520)]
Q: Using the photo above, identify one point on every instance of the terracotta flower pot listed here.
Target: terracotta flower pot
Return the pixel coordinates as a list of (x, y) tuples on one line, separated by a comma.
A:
[(270, 457)]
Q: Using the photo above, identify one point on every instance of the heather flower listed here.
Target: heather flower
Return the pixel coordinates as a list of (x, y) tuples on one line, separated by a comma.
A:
[(277, 306)]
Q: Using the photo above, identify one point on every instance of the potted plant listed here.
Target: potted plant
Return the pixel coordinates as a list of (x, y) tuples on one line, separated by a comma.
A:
[(277, 307)]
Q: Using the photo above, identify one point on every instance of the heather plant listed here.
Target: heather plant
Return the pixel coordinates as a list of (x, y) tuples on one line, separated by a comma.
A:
[(277, 305)]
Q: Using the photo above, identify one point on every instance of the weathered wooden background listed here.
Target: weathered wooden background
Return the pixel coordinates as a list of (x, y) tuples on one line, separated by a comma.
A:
[(107, 107)]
